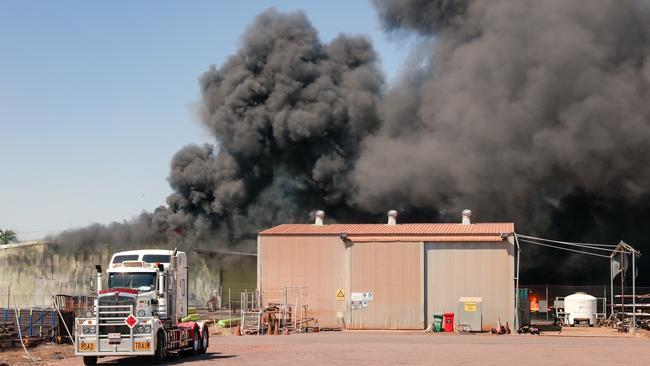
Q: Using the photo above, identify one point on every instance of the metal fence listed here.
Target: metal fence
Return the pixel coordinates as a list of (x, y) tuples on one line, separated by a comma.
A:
[(548, 293), (37, 324)]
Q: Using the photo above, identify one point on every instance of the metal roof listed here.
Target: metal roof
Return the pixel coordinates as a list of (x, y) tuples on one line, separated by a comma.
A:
[(439, 238), (428, 231), (25, 244)]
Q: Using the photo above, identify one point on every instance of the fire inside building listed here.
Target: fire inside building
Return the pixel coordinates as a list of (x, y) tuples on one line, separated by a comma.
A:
[(393, 276)]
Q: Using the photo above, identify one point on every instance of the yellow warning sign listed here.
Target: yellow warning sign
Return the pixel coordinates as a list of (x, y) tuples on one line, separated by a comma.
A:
[(470, 306), (340, 295)]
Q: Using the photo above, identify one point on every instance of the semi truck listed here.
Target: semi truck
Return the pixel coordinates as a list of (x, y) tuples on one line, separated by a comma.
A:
[(142, 312)]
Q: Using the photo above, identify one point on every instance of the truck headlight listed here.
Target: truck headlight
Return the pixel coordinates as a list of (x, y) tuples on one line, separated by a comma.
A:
[(143, 329), (88, 329), (88, 314), (141, 312)]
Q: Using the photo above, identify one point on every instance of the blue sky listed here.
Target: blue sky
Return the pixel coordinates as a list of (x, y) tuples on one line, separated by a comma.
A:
[(96, 97)]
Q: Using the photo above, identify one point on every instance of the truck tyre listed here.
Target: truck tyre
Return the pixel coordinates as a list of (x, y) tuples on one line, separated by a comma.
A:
[(196, 343), (205, 339), (90, 360), (160, 354)]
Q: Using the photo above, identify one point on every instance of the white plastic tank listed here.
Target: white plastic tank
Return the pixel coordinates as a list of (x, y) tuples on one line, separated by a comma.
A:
[(580, 307)]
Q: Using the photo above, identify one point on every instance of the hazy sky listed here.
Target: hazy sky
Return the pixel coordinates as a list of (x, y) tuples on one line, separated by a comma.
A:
[(96, 97)]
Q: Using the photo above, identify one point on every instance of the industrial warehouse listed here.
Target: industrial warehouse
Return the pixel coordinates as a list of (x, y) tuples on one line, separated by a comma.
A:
[(393, 276)]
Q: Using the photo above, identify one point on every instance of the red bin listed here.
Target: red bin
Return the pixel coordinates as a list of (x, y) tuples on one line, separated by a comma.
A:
[(448, 322)]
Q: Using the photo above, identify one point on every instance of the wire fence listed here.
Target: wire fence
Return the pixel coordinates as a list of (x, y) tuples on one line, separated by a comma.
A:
[(547, 294)]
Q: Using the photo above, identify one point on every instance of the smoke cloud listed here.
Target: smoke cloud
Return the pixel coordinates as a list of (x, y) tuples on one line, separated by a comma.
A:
[(532, 112), (522, 109), (288, 113)]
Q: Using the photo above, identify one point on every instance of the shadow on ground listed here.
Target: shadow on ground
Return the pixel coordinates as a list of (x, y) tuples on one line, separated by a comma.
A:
[(172, 360)]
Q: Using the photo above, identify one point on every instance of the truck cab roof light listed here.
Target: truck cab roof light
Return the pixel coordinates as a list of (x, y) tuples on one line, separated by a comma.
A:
[(133, 264)]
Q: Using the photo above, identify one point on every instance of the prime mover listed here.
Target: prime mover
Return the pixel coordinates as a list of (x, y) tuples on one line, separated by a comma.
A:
[(143, 310)]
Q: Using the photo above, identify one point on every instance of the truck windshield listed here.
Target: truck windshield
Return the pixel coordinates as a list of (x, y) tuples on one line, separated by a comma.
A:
[(141, 281)]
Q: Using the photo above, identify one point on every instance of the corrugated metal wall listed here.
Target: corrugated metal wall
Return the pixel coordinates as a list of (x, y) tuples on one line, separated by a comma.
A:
[(36, 272), (317, 262), (32, 274), (393, 272), (409, 280), (474, 270)]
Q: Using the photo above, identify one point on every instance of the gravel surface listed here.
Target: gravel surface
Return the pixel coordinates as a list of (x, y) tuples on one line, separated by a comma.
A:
[(572, 347)]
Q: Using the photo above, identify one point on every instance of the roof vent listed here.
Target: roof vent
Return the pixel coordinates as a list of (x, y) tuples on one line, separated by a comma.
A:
[(466, 215), (392, 217), (320, 216)]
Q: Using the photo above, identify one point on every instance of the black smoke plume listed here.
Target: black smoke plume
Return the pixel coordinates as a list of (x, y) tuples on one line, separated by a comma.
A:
[(528, 111), (531, 111), (288, 113)]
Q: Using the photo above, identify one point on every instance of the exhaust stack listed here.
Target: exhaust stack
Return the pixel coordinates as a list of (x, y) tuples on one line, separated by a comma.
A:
[(98, 267)]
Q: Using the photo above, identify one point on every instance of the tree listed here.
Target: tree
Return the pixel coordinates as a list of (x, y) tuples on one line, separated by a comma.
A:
[(8, 236)]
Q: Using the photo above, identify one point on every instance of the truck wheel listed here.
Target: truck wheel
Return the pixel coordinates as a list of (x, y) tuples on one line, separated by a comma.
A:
[(90, 360), (205, 339), (159, 356), (196, 343)]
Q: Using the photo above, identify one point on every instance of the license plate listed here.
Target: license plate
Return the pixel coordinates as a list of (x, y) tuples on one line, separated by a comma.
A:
[(141, 346), (87, 347)]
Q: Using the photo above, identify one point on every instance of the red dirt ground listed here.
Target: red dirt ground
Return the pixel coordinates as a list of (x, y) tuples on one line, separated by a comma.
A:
[(573, 347)]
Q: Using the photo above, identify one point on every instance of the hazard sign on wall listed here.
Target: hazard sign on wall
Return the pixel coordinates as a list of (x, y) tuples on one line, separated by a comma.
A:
[(470, 306), (340, 295)]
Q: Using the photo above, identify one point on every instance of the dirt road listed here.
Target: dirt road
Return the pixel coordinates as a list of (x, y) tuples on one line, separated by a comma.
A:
[(407, 348)]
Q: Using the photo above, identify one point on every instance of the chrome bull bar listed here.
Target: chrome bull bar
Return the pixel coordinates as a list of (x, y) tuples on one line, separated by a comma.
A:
[(93, 336)]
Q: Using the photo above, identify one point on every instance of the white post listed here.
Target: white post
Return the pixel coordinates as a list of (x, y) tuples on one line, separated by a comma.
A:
[(633, 291), (517, 320), (611, 284)]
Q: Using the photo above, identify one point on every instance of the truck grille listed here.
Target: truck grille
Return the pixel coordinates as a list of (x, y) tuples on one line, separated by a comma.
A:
[(113, 310), (116, 300)]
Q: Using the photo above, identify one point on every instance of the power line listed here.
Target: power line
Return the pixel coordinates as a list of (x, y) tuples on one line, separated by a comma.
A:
[(562, 248), (212, 252), (589, 247), (568, 242)]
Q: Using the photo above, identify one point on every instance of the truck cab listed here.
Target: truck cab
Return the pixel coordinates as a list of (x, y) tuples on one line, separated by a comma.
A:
[(142, 309)]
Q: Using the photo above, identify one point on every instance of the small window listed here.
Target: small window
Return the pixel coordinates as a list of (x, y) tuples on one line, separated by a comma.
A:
[(156, 258), (122, 258)]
